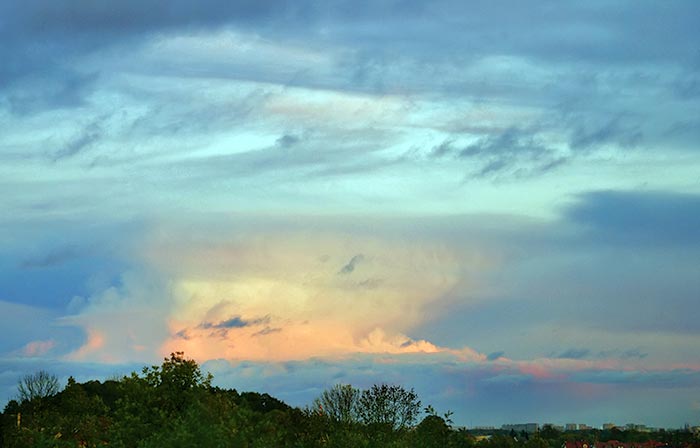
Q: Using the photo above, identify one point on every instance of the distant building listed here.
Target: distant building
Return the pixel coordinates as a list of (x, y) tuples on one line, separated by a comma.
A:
[(571, 427), (529, 428), (635, 427), (609, 426)]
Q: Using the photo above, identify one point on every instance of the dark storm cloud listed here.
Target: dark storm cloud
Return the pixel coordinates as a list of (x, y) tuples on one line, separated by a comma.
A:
[(381, 34), (645, 31), (639, 218), (609, 256), (43, 40), (453, 35), (639, 248)]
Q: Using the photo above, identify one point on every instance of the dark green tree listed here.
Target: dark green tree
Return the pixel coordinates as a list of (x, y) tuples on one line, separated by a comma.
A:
[(157, 402), (176, 381), (536, 442), (549, 432), (389, 405), (432, 432), (461, 438), (340, 403), (81, 419), (498, 441), (262, 403)]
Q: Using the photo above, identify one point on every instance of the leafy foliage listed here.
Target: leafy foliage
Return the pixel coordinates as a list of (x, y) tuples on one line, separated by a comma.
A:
[(432, 431), (389, 405), (175, 405), (341, 403)]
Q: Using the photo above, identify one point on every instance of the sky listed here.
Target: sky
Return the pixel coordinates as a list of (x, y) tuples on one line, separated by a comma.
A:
[(496, 203)]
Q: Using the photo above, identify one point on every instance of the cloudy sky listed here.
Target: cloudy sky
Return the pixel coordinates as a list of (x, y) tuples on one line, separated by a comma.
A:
[(497, 202)]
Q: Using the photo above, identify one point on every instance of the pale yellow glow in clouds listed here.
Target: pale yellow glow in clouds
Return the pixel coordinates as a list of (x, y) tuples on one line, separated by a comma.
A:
[(284, 297)]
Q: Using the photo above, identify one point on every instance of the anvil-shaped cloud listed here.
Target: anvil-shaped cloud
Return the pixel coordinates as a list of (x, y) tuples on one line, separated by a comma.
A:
[(277, 296)]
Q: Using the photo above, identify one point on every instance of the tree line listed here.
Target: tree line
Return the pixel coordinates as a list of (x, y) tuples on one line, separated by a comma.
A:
[(175, 405)]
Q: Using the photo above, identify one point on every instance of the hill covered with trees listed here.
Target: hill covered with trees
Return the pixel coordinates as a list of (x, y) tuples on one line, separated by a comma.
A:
[(175, 405)]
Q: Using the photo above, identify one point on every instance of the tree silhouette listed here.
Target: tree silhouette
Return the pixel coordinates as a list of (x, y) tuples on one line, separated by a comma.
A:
[(392, 406), (340, 403), (41, 384), (432, 431)]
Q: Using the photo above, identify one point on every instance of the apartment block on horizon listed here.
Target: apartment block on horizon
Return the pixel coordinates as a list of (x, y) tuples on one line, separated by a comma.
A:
[(529, 428)]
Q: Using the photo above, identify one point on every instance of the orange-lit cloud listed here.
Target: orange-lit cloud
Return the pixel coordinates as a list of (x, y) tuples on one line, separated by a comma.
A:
[(264, 295), (267, 295), (93, 347), (299, 296)]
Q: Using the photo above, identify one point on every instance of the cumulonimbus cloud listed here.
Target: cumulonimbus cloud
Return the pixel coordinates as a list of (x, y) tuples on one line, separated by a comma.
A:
[(268, 295)]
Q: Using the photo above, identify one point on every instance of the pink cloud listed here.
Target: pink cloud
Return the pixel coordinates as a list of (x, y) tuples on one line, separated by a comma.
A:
[(38, 348), (92, 348)]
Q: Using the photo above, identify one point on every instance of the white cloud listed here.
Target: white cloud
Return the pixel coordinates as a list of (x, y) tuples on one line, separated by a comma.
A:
[(125, 322)]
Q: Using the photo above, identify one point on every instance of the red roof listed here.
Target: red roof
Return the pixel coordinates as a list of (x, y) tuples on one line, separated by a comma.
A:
[(614, 444)]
